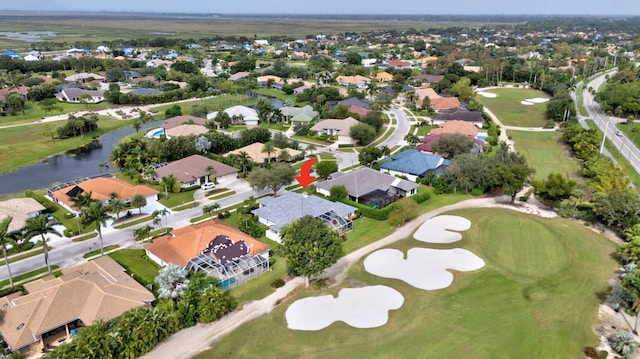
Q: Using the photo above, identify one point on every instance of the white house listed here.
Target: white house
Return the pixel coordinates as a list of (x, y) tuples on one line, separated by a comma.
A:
[(333, 127), (75, 95), (245, 114)]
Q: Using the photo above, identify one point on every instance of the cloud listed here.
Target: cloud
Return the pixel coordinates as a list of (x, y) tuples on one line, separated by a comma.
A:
[(434, 230), (365, 307), (424, 268)]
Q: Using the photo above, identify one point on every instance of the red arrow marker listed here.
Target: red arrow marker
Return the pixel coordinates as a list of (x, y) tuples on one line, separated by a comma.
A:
[(305, 177)]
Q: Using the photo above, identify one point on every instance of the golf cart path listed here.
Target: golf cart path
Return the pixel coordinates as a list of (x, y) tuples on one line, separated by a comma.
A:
[(191, 341)]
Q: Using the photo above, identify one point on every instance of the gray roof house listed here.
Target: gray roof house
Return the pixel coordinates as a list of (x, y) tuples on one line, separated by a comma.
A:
[(75, 95), (277, 212), (369, 186), (413, 164), (304, 114)]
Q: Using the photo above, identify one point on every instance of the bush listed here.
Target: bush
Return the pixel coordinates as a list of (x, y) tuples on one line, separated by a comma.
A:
[(590, 352), (369, 212), (345, 145), (477, 192), (421, 197), (277, 283)]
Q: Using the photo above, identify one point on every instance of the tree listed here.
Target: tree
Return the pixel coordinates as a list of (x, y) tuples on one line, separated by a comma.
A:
[(284, 155), (555, 188), (618, 208), (86, 99), (404, 210), (136, 124), (157, 214), (412, 139), (15, 102), (362, 133), (6, 238), (466, 172), (116, 205), (310, 246), (243, 161), (623, 343), (463, 89), (203, 144), (338, 192), (40, 225), (49, 104), (173, 111), (510, 179), (138, 201), (373, 119), (453, 144), (170, 183), (172, 281), (97, 212), (142, 233), (369, 155), (280, 175), (325, 168), (269, 149), (310, 148)]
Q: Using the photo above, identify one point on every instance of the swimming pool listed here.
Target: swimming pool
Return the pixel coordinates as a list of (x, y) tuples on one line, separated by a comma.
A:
[(156, 133)]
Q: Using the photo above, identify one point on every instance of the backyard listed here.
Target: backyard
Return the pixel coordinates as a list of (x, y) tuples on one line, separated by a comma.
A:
[(545, 152), (536, 297), (137, 264), (509, 109)]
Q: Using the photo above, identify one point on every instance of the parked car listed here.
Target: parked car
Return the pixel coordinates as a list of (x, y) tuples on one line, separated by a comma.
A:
[(208, 186)]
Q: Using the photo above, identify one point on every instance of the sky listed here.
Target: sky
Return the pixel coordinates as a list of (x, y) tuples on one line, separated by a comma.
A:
[(413, 7)]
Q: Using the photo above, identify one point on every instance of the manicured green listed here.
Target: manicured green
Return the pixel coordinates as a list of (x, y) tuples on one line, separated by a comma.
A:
[(23, 145), (33, 112), (135, 261), (511, 112), (545, 152), (210, 103), (537, 297), (97, 251), (275, 93)]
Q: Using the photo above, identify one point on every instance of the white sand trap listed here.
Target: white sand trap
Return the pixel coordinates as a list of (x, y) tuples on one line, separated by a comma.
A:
[(487, 94), (537, 100), (527, 103), (365, 307), (434, 230), (424, 268)]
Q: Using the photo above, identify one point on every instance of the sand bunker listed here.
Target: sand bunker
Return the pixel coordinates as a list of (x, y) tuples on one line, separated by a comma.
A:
[(365, 307), (434, 230), (537, 100), (424, 268), (487, 94), (527, 103)]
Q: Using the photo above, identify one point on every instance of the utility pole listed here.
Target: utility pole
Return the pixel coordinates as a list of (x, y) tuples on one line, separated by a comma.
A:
[(604, 136)]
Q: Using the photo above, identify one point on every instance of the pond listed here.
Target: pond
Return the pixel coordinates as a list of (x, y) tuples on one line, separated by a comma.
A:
[(78, 163)]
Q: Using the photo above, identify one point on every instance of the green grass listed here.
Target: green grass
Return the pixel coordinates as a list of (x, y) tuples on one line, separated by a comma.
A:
[(97, 251), (222, 195), (33, 112), (260, 287), (631, 131), (84, 238), (211, 104), (175, 199), (133, 223), (536, 297), (326, 157), (33, 275), (186, 206), (511, 112), (23, 145), (135, 261), (545, 152), (275, 93)]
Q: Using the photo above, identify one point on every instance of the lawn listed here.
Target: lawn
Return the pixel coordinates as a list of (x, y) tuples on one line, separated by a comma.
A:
[(211, 103), (631, 131), (511, 112), (23, 145), (143, 269), (537, 297), (33, 112), (545, 152)]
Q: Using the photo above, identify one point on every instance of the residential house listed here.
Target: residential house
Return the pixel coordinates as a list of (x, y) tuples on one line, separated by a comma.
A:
[(20, 90), (473, 117), (445, 103), (183, 120), (352, 101), (144, 91), (20, 209), (155, 63), (101, 189), (265, 80), (299, 115), (54, 308), (335, 127), (195, 171), (277, 212), (357, 81), (238, 75), (399, 64), (368, 62), (456, 126), (254, 151), (428, 142), (186, 130), (383, 77), (413, 164), (77, 95), (368, 186), (214, 247), (84, 77), (299, 55), (239, 114)]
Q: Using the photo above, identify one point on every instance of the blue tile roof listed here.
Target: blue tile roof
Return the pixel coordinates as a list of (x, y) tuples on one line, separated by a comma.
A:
[(414, 162)]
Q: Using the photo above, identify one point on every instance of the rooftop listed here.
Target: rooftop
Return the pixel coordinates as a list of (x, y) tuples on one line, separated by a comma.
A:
[(364, 180)]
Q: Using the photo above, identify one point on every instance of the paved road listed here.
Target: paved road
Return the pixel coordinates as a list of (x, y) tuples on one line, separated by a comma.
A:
[(606, 124)]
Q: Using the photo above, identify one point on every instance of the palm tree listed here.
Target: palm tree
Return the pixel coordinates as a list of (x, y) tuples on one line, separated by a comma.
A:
[(138, 201), (284, 156), (116, 205), (623, 343), (157, 214), (97, 212), (169, 183), (310, 148), (210, 170), (172, 282), (81, 200), (6, 238), (269, 148), (142, 233), (40, 225), (386, 151), (243, 159)]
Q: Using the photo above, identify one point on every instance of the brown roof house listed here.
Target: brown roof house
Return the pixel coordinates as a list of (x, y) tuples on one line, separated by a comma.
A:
[(333, 127), (214, 247), (183, 120), (55, 307), (20, 209), (195, 171), (101, 189), (456, 126), (254, 151)]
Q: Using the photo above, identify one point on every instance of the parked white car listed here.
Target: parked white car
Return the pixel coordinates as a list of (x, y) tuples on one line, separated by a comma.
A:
[(208, 186)]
